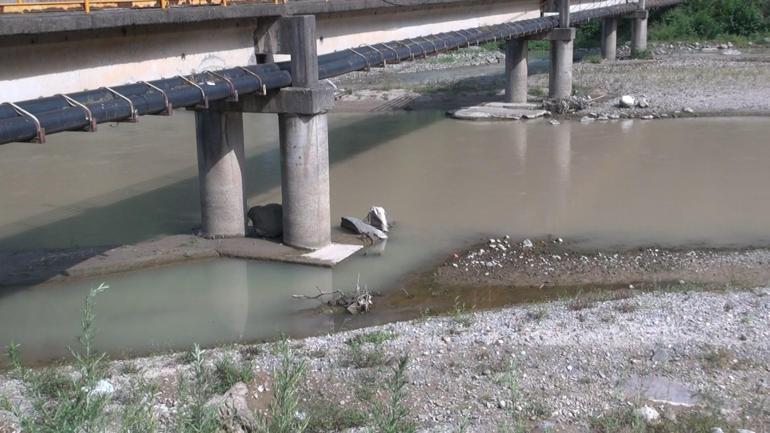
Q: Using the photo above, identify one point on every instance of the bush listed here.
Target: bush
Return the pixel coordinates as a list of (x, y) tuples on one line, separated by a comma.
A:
[(712, 19)]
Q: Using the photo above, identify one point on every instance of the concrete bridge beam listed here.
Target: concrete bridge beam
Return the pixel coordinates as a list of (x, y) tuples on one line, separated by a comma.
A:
[(219, 137), (516, 71), (609, 38)]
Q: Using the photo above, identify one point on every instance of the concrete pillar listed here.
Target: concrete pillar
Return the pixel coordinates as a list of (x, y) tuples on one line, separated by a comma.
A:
[(609, 38), (639, 35), (516, 52), (560, 75), (639, 29), (221, 158), (305, 180)]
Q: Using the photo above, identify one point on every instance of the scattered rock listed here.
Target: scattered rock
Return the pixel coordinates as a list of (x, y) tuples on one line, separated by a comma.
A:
[(648, 414), (554, 122), (102, 388), (526, 243), (647, 117), (378, 218), (627, 101), (688, 110), (716, 430), (502, 404), (9, 422), (267, 220), (357, 226), (743, 430), (642, 103), (233, 409)]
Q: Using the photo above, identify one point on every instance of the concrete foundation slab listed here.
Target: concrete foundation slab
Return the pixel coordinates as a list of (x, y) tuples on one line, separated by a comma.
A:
[(333, 253), (498, 111), (35, 267)]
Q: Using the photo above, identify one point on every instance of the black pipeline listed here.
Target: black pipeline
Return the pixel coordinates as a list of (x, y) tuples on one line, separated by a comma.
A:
[(77, 111)]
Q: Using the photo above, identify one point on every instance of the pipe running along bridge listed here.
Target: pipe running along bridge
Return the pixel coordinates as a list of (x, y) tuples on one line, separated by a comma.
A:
[(350, 35)]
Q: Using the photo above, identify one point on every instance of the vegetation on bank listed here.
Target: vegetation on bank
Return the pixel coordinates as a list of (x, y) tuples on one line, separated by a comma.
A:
[(738, 21), (75, 399)]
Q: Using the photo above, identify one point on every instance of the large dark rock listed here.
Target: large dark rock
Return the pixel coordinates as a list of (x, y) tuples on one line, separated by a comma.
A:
[(267, 220)]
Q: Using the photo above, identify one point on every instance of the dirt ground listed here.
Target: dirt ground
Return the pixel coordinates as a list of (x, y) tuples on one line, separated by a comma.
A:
[(680, 80)]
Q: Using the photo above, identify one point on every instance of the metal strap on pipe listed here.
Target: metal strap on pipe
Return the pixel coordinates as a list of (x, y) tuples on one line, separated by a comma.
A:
[(262, 88), (89, 117), (169, 108), (203, 94), (132, 118), (24, 113)]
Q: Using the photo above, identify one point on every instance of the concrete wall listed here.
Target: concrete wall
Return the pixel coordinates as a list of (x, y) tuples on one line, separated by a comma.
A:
[(68, 62)]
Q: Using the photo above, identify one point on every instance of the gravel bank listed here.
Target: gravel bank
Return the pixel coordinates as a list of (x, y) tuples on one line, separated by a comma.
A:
[(569, 362), (702, 78)]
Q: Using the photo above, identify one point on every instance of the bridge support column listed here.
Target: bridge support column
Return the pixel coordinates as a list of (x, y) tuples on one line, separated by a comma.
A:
[(609, 38), (639, 30), (560, 74), (304, 134), (516, 54), (304, 141), (220, 172)]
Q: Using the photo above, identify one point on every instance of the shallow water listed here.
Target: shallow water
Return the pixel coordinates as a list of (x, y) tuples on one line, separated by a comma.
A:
[(446, 184)]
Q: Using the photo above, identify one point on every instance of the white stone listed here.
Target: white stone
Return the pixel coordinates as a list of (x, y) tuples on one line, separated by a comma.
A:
[(102, 387), (647, 414), (688, 110), (627, 101), (526, 243)]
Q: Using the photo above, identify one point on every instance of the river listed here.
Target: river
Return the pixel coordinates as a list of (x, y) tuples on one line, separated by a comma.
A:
[(446, 184)]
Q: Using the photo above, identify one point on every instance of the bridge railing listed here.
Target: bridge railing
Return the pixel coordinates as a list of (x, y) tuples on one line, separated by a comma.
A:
[(22, 6)]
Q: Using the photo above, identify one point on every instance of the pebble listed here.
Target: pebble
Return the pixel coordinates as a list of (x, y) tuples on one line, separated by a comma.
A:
[(526, 243), (688, 110), (648, 414)]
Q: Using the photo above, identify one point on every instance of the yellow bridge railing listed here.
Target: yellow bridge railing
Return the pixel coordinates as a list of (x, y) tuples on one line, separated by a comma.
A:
[(23, 6)]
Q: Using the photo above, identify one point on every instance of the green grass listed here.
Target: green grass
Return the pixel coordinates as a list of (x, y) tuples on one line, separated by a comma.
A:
[(327, 416), (592, 58), (392, 414), (61, 405), (193, 415), (282, 413), (375, 337), (227, 373), (624, 420), (726, 20), (136, 415)]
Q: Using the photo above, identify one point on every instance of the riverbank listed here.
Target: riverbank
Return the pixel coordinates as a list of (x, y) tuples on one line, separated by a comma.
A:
[(699, 359), (600, 334), (680, 80)]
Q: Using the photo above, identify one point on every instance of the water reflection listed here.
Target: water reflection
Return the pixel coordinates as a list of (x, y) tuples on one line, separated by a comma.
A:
[(446, 184)]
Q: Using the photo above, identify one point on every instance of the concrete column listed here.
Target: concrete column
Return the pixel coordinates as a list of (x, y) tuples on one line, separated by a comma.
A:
[(516, 52), (305, 180), (560, 75), (639, 35), (639, 29), (609, 38), (220, 173)]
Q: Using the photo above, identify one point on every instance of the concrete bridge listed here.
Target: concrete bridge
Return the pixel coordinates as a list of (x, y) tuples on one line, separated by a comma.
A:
[(222, 58)]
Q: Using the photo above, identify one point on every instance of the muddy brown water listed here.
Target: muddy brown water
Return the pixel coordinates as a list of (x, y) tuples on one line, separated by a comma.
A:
[(447, 184)]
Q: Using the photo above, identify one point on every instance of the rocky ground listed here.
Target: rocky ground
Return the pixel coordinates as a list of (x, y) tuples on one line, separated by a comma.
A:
[(556, 366), (679, 80)]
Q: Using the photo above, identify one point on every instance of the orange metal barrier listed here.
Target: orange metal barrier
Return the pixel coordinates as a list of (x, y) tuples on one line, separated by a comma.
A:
[(23, 6)]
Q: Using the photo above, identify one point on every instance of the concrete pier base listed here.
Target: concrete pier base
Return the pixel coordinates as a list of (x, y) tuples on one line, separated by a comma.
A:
[(609, 38), (639, 33), (304, 142), (516, 71), (221, 158), (560, 74)]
